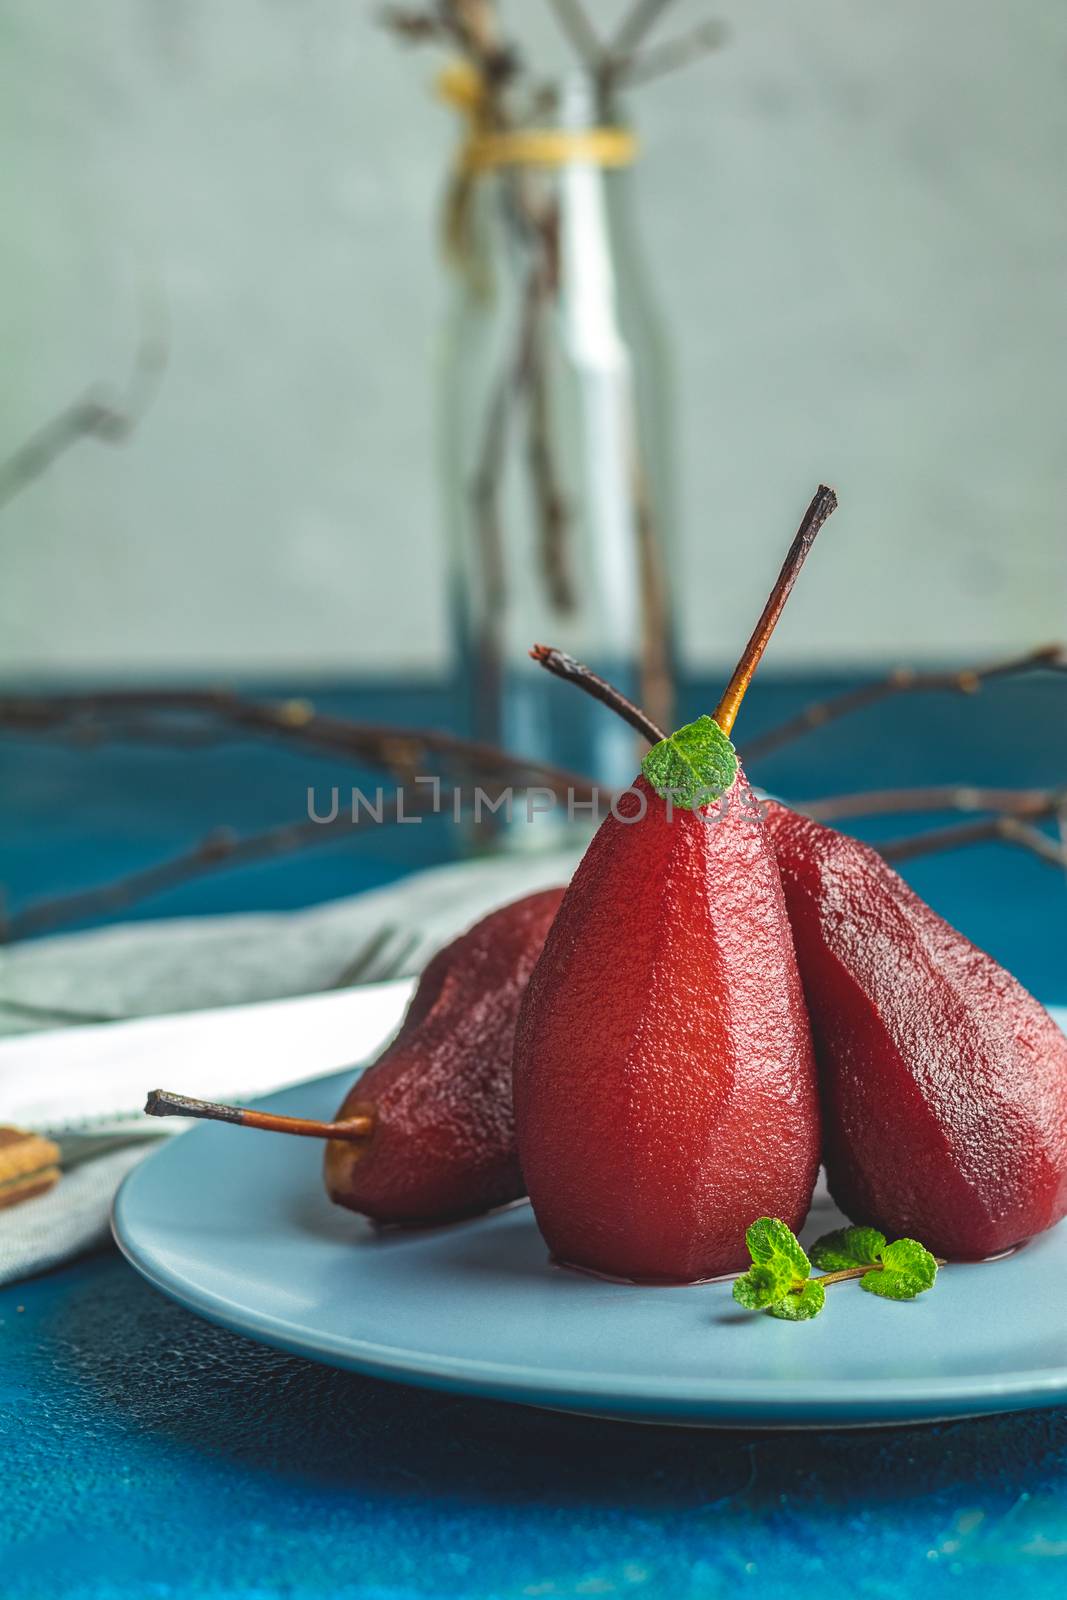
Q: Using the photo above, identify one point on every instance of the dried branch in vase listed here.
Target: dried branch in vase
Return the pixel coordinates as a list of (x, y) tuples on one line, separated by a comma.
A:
[(634, 27), (574, 22), (499, 97), (659, 61)]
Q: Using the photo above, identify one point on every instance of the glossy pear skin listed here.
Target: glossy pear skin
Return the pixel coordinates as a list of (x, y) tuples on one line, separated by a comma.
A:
[(943, 1082), (443, 1143), (665, 1089)]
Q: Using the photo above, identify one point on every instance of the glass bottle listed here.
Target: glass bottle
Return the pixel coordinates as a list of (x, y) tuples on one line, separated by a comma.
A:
[(555, 434)]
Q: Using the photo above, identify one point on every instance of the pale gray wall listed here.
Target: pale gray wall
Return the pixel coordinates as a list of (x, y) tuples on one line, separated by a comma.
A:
[(856, 215)]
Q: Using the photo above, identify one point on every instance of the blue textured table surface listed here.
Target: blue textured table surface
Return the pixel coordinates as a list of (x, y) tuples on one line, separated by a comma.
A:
[(145, 1453)]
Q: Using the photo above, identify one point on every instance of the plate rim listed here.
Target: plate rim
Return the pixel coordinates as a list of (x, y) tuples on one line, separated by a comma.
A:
[(822, 1401)]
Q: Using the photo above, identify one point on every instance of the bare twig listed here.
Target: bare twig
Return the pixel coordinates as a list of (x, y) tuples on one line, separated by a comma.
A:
[(220, 849), (1011, 830), (671, 55), (411, 25), (224, 849), (1026, 805), (111, 418), (635, 25), (1033, 803), (905, 680), (550, 503), (474, 26), (574, 22), (392, 747)]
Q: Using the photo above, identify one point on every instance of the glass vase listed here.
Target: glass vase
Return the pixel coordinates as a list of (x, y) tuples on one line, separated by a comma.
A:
[(555, 438)]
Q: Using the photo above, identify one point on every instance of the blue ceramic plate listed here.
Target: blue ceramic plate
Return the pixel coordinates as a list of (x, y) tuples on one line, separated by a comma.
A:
[(235, 1226)]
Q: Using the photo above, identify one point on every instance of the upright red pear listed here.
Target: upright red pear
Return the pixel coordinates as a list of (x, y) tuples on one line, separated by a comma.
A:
[(664, 1080), (943, 1082)]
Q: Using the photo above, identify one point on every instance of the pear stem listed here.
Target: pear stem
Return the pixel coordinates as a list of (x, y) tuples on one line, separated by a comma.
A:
[(824, 501), (561, 665), (161, 1103)]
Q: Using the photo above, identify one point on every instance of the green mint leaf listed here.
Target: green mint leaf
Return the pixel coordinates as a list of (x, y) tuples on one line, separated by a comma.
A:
[(692, 767), (907, 1269), (801, 1304), (769, 1240), (763, 1284), (848, 1247)]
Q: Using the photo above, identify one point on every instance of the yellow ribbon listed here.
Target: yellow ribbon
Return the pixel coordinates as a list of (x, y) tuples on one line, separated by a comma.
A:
[(549, 147), (487, 148)]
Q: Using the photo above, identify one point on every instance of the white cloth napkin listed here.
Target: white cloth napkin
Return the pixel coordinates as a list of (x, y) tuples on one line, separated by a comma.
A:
[(87, 1086), (91, 1080)]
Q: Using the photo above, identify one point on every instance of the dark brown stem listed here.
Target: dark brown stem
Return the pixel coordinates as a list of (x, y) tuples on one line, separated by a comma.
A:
[(354, 1130), (823, 503), (904, 680), (566, 667)]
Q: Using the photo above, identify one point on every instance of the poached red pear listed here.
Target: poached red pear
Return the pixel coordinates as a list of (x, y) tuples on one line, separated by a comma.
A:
[(664, 1079), (443, 1142), (943, 1082), (426, 1134)]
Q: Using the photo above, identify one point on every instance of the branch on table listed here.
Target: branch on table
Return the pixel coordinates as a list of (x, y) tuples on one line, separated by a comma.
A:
[(1032, 803), (904, 680), (139, 713), (224, 849), (1003, 829)]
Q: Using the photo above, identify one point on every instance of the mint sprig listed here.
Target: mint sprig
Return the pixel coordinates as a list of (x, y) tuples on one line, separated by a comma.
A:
[(779, 1280), (692, 767), (800, 1305), (908, 1269), (778, 1277), (848, 1247)]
